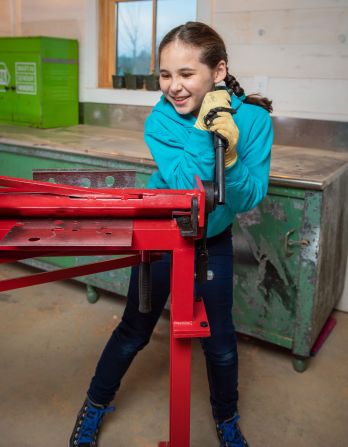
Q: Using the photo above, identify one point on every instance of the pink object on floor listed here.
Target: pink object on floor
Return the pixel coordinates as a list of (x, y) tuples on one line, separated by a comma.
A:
[(325, 332)]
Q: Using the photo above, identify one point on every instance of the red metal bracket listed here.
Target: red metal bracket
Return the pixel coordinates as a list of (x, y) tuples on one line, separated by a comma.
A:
[(68, 273), (198, 327), (33, 233)]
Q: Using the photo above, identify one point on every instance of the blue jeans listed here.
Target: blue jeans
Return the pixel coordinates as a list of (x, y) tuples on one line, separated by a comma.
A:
[(135, 329)]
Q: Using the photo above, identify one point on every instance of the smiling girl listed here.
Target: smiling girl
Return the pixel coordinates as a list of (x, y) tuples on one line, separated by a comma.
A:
[(192, 59)]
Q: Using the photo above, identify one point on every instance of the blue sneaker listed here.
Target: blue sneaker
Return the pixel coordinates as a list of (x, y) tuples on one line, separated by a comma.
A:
[(87, 425), (229, 433)]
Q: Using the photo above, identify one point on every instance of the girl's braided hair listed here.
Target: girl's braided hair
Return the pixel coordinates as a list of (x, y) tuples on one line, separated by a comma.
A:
[(200, 35)]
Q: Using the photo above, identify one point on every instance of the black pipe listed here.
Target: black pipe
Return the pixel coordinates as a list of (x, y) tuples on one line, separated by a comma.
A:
[(220, 168), (145, 286)]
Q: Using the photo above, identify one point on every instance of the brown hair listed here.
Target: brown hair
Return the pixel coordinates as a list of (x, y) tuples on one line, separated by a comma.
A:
[(200, 35)]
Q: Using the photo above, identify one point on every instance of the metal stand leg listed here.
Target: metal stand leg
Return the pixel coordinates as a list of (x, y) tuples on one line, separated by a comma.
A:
[(180, 367), (180, 391), (188, 320)]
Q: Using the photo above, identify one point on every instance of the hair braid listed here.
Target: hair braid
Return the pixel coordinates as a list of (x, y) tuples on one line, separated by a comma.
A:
[(256, 99), (233, 84)]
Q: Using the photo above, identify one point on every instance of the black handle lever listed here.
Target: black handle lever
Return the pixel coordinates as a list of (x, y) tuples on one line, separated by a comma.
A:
[(220, 168)]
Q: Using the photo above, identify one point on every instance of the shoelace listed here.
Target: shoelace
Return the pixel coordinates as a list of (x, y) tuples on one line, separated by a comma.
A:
[(231, 435), (91, 422)]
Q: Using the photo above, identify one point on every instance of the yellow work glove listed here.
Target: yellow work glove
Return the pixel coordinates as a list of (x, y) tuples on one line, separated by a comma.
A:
[(212, 100), (224, 126)]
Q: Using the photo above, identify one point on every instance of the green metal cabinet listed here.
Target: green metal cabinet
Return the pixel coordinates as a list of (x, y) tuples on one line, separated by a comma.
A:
[(39, 81), (290, 257), (270, 247), (290, 251), (265, 274)]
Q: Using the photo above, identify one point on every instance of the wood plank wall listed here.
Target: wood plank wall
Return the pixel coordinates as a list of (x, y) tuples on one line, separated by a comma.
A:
[(64, 18), (295, 50), (6, 19)]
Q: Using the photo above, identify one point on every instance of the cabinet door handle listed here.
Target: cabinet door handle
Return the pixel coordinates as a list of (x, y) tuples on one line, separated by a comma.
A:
[(288, 243), (13, 87)]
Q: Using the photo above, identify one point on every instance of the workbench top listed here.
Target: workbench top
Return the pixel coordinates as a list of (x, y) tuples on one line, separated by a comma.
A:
[(291, 166), (306, 167)]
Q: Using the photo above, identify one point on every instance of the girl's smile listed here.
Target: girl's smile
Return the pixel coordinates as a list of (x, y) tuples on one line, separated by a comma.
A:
[(180, 101), (184, 80)]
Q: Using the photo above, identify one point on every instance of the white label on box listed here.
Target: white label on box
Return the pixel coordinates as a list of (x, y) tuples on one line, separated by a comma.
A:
[(26, 79), (5, 76)]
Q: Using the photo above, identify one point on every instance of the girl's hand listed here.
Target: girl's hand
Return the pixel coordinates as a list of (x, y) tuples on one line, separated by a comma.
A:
[(224, 126), (212, 100)]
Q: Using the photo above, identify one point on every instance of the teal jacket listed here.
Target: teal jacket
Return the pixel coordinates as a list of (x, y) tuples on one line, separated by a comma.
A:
[(181, 151)]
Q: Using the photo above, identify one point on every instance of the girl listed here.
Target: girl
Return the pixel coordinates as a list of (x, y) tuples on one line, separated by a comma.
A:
[(179, 133)]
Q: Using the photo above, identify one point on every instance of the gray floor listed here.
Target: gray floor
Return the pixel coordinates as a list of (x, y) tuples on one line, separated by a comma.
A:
[(51, 338)]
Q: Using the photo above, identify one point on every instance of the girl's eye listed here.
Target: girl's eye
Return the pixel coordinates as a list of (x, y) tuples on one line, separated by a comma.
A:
[(186, 75), (164, 76)]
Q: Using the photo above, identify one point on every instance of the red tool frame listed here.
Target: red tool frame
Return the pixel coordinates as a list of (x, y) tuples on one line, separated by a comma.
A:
[(153, 229)]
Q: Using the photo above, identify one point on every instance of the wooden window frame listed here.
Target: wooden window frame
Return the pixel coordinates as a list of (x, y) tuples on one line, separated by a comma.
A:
[(107, 40)]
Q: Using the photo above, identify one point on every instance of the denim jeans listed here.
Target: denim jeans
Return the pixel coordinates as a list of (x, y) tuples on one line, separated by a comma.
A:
[(135, 329)]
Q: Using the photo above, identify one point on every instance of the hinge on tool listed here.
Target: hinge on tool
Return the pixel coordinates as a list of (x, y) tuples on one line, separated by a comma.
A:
[(188, 220)]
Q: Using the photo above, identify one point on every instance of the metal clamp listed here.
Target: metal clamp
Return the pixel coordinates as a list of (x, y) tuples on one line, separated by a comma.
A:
[(289, 243)]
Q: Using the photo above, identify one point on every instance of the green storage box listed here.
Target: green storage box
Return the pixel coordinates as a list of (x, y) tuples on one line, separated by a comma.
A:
[(39, 81)]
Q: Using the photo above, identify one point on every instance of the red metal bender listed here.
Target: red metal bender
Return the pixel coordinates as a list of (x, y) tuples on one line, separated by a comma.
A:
[(44, 219)]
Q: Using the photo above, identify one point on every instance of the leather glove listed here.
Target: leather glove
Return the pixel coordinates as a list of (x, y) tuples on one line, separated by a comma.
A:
[(223, 125), (212, 100)]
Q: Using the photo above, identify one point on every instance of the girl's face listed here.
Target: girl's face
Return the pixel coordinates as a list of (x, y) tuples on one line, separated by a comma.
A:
[(184, 80)]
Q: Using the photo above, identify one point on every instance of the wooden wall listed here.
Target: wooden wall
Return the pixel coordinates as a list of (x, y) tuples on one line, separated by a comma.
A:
[(295, 51), (63, 18), (6, 18)]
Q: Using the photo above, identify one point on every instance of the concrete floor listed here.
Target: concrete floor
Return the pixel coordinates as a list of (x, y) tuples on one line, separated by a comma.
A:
[(51, 338)]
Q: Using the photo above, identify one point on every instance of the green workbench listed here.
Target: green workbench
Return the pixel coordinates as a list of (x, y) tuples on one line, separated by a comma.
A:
[(290, 251)]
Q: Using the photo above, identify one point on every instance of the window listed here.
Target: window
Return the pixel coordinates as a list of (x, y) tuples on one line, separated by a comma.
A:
[(131, 30)]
